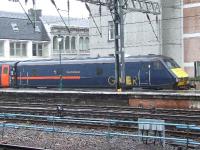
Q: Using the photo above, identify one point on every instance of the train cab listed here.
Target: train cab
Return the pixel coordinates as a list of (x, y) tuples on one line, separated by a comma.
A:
[(181, 76), (6, 73)]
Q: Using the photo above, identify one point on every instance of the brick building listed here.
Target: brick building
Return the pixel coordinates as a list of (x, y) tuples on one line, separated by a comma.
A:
[(191, 36), (177, 29)]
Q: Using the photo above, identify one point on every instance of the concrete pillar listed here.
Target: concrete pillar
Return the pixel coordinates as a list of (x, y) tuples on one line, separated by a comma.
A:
[(6, 49), (29, 50), (77, 45)]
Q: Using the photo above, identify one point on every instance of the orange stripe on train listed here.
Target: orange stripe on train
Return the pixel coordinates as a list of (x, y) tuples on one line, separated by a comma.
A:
[(50, 78)]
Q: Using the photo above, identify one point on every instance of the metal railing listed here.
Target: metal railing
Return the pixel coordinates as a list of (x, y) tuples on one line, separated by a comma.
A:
[(108, 122)]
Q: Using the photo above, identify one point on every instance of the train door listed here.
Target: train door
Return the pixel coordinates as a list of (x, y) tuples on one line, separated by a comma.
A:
[(145, 74), (23, 77), (5, 77)]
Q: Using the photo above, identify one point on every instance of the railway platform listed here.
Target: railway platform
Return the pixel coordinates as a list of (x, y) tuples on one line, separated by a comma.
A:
[(184, 99)]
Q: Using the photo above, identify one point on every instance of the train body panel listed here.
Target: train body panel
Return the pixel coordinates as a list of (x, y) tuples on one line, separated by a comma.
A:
[(71, 75), (5, 77), (142, 71)]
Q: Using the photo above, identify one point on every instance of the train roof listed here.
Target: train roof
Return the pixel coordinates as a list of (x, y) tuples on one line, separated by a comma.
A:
[(92, 60)]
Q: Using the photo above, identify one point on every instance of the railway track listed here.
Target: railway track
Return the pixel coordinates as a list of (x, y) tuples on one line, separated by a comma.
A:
[(92, 111), (100, 124), (102, 112), (53, 105), (124, 113), (17, 147)]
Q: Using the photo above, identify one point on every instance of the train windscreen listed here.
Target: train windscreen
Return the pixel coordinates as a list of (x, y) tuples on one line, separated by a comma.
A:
[(171, 64)]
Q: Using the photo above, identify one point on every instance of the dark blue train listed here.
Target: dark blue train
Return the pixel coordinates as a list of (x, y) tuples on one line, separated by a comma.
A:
[(150, 71)]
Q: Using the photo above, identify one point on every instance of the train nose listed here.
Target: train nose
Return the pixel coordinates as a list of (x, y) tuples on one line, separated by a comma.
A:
[(182, 82), (182, 78), (180, 73)]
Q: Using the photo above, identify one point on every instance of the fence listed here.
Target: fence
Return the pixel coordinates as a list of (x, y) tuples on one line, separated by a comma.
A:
[(142, 124)]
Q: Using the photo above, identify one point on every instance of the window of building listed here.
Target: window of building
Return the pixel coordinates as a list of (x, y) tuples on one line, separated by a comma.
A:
[(73, 43), (40, 49), (14, 27), (87, 43), (197, 68), (1, 48), (37, 29), (61, 43), (111, 30), (34, 50), (18, 49), (81, 45), (55, 43), (67, 42), (37, 49), (24, 52), (12, 49)]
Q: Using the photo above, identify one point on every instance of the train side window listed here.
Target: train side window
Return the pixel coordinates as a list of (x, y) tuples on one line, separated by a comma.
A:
[(59, 71), (171, 63), (99, 71), (5, 70), (157, 65), (34, 72), (145, 66)]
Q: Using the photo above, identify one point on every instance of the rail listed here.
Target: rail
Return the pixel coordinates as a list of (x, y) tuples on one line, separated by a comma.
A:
[(185, 127), (17, 147)]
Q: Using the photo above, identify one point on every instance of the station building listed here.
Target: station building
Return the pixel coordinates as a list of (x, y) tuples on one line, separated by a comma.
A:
[(41, 36), (174, 33), (21, 39), (71, 44)]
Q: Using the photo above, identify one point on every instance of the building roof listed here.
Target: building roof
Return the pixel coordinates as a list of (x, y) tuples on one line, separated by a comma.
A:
[(12, 15), (71, 22), (55, 20), (25, 29)]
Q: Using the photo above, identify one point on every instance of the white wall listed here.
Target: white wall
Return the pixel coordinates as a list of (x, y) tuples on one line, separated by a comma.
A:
[(139, 37), (172, 28)]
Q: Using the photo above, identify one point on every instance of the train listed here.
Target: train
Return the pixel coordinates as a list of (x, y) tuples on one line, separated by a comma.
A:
[(148, 71)]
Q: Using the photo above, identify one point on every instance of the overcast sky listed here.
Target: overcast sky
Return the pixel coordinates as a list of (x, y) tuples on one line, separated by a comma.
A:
[(77, 9)]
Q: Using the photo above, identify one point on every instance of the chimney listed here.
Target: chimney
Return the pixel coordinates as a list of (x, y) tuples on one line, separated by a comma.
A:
[(35, 14)]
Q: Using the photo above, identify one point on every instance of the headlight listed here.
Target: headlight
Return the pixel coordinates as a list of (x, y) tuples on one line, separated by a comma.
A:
[(177, 80)]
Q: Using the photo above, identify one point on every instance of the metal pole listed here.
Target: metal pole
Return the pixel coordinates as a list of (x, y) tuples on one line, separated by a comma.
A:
[(117, 64), (60, 60), (60, 71), (123, 74)]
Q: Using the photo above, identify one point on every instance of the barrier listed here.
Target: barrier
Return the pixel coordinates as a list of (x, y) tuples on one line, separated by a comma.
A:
[(143, 124)]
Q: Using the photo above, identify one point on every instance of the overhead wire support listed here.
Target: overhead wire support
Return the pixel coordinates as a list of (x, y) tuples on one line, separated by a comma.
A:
[(95, 2), (152, 27), (68, 10), (119, 8), (143, 6), (117, 52), (57, 9), (88, 8), (24, 11)]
